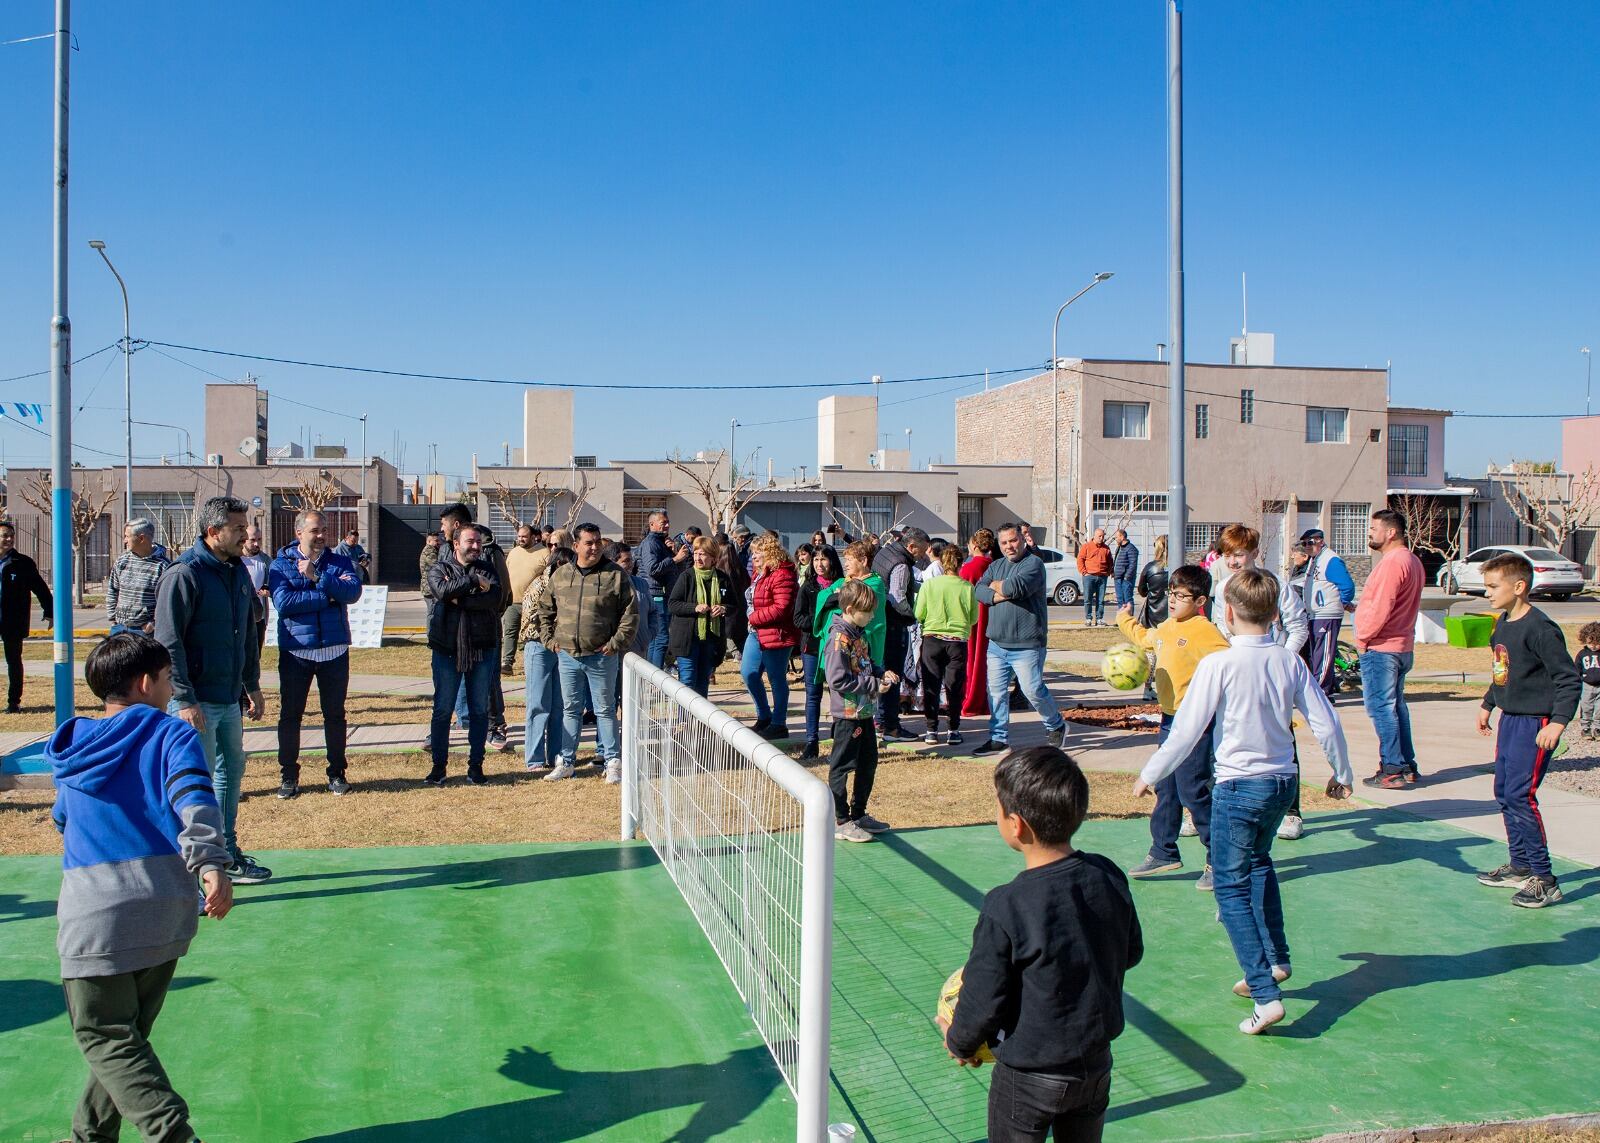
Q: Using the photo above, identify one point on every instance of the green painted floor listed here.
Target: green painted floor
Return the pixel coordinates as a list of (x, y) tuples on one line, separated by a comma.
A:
[(564, 993)]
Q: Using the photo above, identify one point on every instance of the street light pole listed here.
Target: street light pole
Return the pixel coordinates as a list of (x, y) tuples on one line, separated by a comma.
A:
[(1057, 517), (127, 383), (1588, 377), (364, 458), (61, 569), (733, 424)]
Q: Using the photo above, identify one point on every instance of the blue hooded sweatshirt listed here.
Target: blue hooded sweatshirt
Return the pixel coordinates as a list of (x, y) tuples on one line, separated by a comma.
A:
[(139, 823)]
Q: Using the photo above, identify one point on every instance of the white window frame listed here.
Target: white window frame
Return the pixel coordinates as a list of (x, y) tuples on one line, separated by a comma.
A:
[(1122, 408), (1319, 422), (1347, 527)]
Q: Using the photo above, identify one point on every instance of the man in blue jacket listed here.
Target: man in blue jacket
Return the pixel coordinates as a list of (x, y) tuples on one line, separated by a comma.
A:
[(312, 588), (1125, 568), (205, 620), (660, 566)]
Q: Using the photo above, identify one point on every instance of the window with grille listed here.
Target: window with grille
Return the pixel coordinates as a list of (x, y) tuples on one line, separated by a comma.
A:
[(1247, 406), (1199, 537), (1202, 422), (969, 516), (339, 515), (1128, 502), (1309, 507), (1350, 527), (1127, 419), (1327, 426), (876, 511), (173, 515), (1408, 450)]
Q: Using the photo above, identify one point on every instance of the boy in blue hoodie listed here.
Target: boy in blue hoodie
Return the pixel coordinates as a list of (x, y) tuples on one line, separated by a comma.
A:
[(139, 822)]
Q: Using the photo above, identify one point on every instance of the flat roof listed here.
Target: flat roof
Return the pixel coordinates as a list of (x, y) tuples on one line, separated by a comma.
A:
[(1420, 409)]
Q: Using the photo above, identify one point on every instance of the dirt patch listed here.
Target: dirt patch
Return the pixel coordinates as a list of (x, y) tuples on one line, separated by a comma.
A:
[(1120, 716)]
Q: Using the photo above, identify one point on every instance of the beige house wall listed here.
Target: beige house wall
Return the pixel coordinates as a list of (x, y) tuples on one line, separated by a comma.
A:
[(1434, 420)]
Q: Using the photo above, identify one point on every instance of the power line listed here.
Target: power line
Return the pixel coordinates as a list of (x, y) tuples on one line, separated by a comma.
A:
[(46, 372)]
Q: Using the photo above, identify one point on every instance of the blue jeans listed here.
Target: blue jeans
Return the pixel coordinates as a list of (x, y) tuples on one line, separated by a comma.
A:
[(447, 682), (695, 670), (1383, 692), (1028, 666), (1189, 785), (223, 742), (1245, 815), (1124, 588), (774, 661), (599, 672), (543, 688), (814, 692), (658, 642), (1094, 598)]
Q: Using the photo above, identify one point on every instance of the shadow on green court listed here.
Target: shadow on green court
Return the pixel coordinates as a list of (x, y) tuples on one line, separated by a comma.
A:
[(580, 1103), (24, 1003)]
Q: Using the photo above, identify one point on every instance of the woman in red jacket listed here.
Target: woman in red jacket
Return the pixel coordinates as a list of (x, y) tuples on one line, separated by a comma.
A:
[(773, 635), (976, 702)]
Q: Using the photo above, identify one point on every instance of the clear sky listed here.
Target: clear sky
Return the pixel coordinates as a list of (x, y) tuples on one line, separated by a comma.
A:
[(717, 193)]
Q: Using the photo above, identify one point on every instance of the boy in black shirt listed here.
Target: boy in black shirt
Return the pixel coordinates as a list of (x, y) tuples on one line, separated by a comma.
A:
[(1043, 986), (1536, 687), (1588, 664)]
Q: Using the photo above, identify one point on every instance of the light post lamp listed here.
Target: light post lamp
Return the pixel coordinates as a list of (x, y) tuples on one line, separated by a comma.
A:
[(1588, 377), (1058, 518), (127, 383), (732, 425)]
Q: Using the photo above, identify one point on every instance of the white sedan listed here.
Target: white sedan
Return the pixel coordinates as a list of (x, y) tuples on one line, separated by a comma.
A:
[(1553, 574), (1061, 577)]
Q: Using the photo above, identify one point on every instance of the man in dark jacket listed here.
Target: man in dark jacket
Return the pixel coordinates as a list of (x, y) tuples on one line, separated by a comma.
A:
[(1013, 587), (312, 589), (896, 565), (498, 730), (660, 566), (463, 630), (1124, 568), (19, 578), (205, 618)]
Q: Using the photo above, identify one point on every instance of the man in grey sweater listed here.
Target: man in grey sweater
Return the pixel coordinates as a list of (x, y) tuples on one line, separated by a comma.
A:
[(1019, 623)]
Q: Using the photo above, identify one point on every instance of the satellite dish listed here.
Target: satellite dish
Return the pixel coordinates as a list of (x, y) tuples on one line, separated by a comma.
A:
[(249, 446)]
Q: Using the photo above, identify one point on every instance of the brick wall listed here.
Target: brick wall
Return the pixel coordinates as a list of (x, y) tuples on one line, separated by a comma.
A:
[(1011, 425)]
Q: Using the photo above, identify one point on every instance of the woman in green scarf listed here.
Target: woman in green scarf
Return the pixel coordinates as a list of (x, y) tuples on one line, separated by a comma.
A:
[(697, 617)]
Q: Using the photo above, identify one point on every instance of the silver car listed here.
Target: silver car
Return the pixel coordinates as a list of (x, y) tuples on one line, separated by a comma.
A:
[(1553, 574)]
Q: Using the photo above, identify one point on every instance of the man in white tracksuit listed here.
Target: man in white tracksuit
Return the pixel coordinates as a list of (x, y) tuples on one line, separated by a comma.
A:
[(1327, 592)]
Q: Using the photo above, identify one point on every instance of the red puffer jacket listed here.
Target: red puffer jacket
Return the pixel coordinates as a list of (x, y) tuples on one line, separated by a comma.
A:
[(772, 609)]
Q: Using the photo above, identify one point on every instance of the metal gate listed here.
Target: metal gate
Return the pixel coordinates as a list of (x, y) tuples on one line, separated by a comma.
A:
[(401, 530)]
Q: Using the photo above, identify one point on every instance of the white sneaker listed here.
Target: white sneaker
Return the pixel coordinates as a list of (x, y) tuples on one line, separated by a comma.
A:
[(850, 831), (613, 773), (1291, 829), (1263, 1017), (562, 770), (1187, 828)]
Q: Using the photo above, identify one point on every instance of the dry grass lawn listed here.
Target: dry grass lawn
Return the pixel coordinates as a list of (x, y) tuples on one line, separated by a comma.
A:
[(1538, 1133)]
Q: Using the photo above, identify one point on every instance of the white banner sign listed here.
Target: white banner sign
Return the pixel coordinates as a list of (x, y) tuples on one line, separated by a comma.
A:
[(366, 618)]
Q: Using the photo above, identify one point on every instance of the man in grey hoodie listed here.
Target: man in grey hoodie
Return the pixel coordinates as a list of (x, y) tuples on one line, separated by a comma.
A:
[(1019, 623)]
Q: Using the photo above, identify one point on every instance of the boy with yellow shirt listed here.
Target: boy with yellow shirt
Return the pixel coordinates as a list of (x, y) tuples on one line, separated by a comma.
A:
[(1180, 641)]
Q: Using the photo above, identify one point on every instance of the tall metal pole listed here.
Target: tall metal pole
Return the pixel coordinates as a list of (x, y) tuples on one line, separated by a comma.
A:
[(363, 456), (1177, 489), (61, 389), (1588, 378), (127, 380), (732, 424)]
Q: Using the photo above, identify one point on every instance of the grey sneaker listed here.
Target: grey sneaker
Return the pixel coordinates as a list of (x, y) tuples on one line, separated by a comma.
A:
[(1291, 828), (288, 790), (954, 738), (932, 737), (1508, 876), (1537, 893), (1150, 866), (613, 773), (498, 741), (850, 831), (245, 871), (1057, 737), (872, 824), (1204, 885), (338, 786)]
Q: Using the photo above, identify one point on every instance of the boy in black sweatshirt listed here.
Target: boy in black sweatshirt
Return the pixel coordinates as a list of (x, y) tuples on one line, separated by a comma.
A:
[(1043, 986), (1587, 661), (1535, 686)]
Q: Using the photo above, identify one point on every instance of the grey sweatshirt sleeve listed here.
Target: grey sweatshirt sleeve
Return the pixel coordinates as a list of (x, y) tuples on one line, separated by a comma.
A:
[(899, 580), (200, 841), (841, 679)]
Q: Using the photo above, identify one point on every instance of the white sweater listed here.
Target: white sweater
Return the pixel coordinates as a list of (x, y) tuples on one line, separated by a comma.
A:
[(1292, 627), (1252, 689)]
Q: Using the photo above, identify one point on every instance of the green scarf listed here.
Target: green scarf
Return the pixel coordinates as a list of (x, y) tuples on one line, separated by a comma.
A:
[(708, 591)]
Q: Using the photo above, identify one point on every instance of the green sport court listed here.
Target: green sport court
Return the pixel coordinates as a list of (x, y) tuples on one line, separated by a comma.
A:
[(565, 993)]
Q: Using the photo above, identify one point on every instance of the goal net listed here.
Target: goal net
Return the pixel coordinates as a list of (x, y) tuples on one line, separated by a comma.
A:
[(747, 836)]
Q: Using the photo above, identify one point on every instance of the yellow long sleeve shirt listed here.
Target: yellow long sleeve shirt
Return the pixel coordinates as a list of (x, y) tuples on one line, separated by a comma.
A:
[(1179, 645)]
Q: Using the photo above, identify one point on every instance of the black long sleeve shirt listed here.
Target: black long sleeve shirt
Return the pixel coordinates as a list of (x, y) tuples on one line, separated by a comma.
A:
[(1043, 986), (1532, 672)]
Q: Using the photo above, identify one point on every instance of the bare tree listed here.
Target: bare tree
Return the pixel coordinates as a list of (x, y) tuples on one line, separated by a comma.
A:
[(580, 497), (529, 507), (853, 520), (1535, 493), (86, 507), (311, 495), (1430, 525), (723, 504)]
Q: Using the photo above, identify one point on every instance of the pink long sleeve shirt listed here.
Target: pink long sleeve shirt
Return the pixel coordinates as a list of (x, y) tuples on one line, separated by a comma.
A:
[(1386, 616)]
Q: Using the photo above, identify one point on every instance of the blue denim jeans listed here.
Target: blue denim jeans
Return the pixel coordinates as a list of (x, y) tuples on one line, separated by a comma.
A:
[(599, 672), (774, 663), (447, 683), (1094, 597), (695, 670), (815, 689), (658, 641), (542, 730), (1124, 588), (1187, 786), (223, 742), (1245, 815), (1383, 692), (1028, 666)]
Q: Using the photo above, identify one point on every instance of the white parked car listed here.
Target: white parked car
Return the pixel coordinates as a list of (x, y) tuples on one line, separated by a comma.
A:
[(1061, 577), (1553, 574)]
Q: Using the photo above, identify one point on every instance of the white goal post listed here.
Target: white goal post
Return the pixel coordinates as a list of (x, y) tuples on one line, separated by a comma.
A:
[(747, 836)]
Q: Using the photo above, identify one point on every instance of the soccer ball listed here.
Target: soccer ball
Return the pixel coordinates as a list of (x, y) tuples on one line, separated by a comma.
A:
[(947, 1009), (1125, 667)]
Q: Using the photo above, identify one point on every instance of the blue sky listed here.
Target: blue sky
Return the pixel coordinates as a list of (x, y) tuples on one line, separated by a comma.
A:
[(718, 193)]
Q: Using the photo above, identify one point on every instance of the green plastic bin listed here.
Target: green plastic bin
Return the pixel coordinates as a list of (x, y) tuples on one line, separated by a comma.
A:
[(1469, 630)]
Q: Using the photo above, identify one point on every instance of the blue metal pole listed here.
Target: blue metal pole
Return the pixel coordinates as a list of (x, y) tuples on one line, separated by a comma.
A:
[(61, 391), (1177, 488)]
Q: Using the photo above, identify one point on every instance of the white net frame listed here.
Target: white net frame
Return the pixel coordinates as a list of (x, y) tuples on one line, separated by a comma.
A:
[(746, 833)]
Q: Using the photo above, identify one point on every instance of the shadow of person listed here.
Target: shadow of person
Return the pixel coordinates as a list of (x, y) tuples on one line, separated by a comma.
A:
[(487, 873), (1376, 973), (15, 907), (581, 1103), (1382, 848), (24, 1003)]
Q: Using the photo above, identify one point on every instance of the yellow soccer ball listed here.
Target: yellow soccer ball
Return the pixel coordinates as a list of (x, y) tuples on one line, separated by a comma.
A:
[(1125, 667), (947, 1009)]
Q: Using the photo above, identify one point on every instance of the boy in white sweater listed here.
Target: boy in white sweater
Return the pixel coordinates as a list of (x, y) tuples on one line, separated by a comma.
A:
[(1252, 690)]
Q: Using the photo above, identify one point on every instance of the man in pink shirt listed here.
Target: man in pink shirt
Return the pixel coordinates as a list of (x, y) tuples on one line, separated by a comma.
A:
[(1386, 626)]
